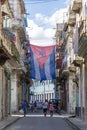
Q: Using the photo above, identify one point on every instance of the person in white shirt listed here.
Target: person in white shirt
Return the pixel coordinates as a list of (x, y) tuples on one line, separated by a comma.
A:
[(45, 107)]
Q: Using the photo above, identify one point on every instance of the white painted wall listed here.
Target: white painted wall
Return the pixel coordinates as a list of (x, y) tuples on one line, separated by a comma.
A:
[(40, 89), (43, 89)]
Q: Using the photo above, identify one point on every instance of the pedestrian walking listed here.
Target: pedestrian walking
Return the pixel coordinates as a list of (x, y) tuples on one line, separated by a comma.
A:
[(32, 106), (24, 107), (35, 106), (51, 109), (45, 107)]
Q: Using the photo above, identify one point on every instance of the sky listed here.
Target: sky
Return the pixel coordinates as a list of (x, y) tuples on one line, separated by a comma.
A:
[(42, 16)]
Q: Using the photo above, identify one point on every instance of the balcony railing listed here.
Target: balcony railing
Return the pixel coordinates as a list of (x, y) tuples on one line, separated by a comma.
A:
[(17, 22), (15, 53), (21, 33), (6, 43), (72, 68), (78, 61), (76, 5), (5, 47)]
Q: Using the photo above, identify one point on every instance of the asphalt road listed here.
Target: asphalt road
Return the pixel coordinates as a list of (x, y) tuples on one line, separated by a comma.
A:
[(38, 122)]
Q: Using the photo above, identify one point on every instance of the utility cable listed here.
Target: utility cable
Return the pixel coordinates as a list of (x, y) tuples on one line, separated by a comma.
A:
[(39, 1)]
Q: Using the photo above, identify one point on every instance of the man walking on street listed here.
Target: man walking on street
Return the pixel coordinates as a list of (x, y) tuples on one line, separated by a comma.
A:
[(24, 107)]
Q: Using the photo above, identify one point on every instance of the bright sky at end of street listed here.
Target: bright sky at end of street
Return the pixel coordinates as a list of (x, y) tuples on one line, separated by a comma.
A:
[(42, 19)]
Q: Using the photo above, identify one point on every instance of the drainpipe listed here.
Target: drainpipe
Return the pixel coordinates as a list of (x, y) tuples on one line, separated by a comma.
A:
[(10, 92), (2, 96)]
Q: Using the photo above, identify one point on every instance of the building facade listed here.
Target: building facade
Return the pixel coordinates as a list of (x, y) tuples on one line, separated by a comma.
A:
[(73, 70), (42, 90), (14, 78)]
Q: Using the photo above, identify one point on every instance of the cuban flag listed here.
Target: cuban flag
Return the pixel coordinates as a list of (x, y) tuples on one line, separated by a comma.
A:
[(42, 62)]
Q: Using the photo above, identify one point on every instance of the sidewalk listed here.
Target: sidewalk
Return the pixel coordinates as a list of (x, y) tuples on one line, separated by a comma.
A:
[(77, 123), (8, 121)]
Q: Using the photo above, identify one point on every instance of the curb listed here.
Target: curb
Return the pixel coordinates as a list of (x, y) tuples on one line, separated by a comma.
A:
[(10, 123), (72, 124)]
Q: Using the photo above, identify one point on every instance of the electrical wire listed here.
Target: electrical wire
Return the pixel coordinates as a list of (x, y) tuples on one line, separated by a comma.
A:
[(40, 1)]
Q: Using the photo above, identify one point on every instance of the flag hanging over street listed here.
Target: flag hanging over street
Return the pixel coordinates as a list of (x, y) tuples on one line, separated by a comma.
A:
[(42, 62)]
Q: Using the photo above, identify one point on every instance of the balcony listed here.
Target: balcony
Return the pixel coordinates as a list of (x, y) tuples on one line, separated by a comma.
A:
[(58, 63), (78, 61), (17, 22), (71, 18), (65, 72), (6, 42), (76, 5), (8, 49), (21, 33), (72, 68), (5, 48), (6, 8), (15, 53), (82, 45)]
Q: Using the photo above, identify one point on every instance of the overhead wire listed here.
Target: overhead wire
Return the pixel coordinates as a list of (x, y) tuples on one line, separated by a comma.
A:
[(40, 1)]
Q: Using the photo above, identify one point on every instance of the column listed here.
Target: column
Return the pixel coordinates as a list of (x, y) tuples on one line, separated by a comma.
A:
[(83, 84), (83, 91), (71, 86), (80, 94), (14, 92)]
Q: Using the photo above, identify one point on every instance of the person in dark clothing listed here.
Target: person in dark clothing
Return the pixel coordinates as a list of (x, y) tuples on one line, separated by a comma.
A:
[(24, 107), (35, 105)]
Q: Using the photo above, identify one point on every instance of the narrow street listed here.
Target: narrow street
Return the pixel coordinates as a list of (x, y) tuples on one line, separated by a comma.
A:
[(37, 121)]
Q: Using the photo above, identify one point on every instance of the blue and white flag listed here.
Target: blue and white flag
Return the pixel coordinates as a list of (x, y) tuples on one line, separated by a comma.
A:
[(42, 62)]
